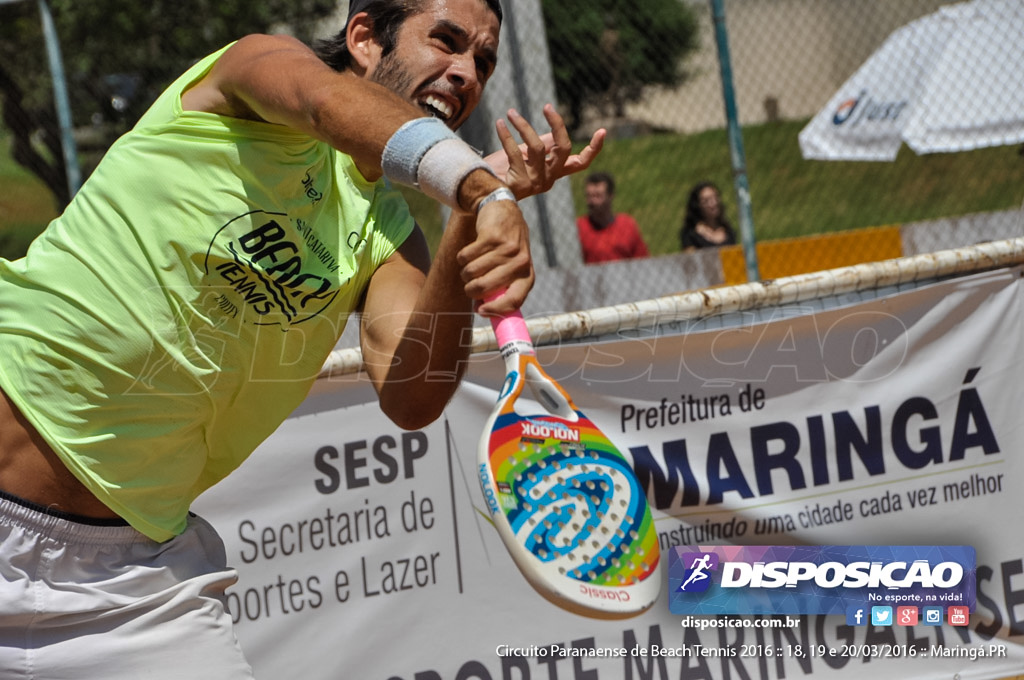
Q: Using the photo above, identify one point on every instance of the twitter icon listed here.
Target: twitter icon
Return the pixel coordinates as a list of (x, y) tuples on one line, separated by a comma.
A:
[(881, 616)]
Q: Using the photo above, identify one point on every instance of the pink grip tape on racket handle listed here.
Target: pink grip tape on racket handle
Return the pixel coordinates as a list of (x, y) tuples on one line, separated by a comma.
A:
[(511, 327)]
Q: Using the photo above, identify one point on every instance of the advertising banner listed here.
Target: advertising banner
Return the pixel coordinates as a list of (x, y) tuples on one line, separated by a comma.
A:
[(365, 551), (827, 579)]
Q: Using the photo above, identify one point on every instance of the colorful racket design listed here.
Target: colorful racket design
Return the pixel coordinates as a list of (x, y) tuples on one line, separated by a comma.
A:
[(564, 500)]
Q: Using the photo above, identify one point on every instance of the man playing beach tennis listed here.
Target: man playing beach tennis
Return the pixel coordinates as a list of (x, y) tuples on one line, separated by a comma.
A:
[(181, 307)]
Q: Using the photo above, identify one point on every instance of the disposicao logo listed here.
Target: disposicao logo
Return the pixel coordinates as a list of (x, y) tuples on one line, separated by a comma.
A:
[(818, 579), (697, 576)]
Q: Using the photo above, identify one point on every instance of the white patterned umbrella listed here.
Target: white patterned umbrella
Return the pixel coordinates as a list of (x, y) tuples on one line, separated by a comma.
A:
[(950, 81)]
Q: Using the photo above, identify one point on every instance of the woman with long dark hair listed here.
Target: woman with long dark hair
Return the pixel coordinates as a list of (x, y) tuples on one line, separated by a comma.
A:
[(705, 224)]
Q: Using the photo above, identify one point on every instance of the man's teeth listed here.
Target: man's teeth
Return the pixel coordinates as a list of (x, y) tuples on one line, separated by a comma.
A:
[(441, 109)]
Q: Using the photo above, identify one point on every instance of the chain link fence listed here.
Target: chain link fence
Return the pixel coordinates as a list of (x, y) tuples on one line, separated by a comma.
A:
[(649, 73)]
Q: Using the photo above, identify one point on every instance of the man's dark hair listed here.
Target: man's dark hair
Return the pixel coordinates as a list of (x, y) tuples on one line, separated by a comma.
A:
[(602, 178), (387, 17)]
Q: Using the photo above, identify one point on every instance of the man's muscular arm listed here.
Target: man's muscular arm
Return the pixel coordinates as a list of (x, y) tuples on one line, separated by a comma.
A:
[(279, 80)]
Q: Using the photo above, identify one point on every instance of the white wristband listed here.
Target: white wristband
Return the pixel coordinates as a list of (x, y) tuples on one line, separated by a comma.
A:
[(499, 194), (425, 154), (406, 148), (443, 168)]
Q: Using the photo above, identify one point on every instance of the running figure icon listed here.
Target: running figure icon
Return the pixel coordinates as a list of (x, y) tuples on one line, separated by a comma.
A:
[(698, 570)]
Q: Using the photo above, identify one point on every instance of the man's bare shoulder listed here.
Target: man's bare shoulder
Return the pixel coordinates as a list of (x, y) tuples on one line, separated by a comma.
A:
[(213, 93)]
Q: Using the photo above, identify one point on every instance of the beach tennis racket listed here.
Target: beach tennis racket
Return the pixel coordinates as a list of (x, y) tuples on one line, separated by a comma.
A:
[(563, 498)]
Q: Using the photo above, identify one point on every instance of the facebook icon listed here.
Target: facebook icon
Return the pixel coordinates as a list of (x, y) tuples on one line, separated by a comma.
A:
[(856, 615)]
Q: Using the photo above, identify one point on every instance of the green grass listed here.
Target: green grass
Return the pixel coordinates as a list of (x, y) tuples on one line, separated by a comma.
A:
[(793, 197), (26, 205), (789, 196)]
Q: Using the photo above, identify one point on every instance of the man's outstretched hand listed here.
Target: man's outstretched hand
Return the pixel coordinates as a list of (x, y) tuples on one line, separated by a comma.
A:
[(532, 167)]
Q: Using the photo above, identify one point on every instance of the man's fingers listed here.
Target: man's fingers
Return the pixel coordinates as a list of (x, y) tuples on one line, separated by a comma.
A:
[(511, 147), (514, 276), (499, 257), (596, 143), (509, 301), (561, 144), (586, 156), (535, 147), (539, 160)]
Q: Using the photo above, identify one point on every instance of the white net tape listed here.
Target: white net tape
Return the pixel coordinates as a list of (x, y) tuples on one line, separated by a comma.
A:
[(648, 314)]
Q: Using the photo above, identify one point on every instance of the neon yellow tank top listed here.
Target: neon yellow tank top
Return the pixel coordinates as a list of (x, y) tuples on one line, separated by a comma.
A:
[(181, 307)]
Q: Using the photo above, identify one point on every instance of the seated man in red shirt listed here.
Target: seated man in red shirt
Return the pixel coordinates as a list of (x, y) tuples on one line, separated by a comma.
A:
[(604, 235)]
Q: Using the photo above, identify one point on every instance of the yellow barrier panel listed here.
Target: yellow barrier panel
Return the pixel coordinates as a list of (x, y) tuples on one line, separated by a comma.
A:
[(792, 256)]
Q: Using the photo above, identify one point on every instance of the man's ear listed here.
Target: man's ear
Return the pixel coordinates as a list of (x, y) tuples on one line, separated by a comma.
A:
[(362, 43)]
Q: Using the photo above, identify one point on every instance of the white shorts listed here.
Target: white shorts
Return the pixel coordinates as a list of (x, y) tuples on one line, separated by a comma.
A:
[(88, 600)]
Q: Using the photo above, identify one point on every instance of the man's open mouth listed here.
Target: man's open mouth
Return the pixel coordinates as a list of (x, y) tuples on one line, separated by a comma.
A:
[(436, 107)]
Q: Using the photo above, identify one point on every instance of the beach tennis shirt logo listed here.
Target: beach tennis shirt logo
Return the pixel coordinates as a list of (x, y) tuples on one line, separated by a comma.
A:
[(697, 576), (278, 271)]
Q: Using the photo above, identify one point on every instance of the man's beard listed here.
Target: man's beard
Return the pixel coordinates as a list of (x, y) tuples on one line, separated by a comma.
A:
[(392, 74)]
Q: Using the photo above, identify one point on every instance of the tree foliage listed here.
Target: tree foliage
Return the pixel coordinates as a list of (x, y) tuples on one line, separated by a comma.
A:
[(118, 56), (605, 52)]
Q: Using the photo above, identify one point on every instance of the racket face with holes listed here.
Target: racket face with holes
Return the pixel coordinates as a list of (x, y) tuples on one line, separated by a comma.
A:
[(567, 505)]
